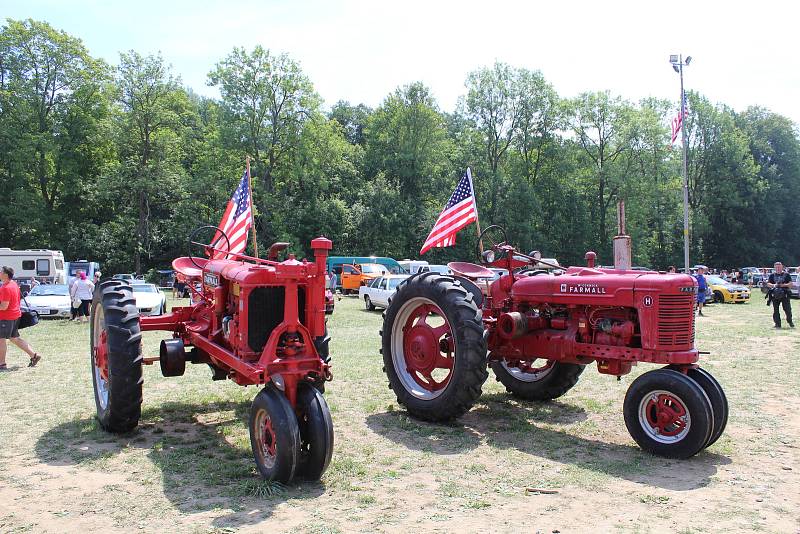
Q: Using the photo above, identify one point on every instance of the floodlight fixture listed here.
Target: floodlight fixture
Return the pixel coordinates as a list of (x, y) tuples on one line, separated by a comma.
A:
[(675, 68), (673, 58), (688, 59)]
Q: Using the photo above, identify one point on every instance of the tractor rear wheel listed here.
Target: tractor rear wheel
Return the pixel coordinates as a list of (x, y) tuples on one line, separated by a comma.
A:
[(116, 356), (434, 353), (668, 414), (274, 435), (316, 432), (546, 381)]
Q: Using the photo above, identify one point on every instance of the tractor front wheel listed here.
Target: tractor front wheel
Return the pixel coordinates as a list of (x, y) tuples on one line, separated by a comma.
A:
[(539, 380), (719, 402), (434, 353), (116, 356), (274, 435), (668, 414), (316, 432)]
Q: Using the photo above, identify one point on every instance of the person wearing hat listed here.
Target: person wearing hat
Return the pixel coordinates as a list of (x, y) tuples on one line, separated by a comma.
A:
[(780, 285), (9, 319), (701, 288)]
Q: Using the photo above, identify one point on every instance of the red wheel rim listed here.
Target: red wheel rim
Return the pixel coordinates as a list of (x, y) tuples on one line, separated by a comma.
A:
[(664, 416), (428, 349), (267, 437), (101, 355)]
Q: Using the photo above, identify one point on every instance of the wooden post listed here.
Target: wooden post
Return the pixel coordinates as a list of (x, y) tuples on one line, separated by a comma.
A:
[(252, 209)]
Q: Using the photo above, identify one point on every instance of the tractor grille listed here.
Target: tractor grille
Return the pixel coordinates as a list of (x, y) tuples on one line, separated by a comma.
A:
[(676, 320), (265, 308)]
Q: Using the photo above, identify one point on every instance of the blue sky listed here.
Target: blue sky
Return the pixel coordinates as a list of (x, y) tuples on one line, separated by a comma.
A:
[(744, 53)]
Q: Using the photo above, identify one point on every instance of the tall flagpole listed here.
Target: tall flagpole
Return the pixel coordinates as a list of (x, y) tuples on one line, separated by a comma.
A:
[(475, 204), (685, 143), (252, 209)]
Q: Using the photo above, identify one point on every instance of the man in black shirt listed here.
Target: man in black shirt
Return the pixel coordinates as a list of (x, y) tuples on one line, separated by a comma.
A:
[(780, 284)]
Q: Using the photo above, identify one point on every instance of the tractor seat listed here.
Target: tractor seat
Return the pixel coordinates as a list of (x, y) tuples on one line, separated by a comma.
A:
[(186, 266), (470, 270)]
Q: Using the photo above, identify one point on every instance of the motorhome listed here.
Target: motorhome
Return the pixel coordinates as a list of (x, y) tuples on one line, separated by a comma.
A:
[(46, 266)]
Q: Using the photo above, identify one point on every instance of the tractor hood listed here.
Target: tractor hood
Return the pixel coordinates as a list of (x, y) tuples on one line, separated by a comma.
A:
[(599, 287)]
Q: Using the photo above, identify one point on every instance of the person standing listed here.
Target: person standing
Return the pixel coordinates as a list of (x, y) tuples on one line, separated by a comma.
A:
[(9, 319), (780, 285), (82, 290), (701, 289)]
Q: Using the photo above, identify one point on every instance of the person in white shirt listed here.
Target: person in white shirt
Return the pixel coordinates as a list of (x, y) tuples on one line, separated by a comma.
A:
[(82, 290)]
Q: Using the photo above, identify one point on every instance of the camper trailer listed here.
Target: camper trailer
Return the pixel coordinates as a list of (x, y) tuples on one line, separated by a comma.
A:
[(46, 266)]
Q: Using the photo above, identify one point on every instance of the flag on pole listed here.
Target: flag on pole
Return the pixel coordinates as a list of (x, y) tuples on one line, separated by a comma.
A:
[(236, 221), (459, 211), (677, 121)]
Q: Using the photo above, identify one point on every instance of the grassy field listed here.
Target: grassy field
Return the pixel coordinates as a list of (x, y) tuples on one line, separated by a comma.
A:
[(188, 467)]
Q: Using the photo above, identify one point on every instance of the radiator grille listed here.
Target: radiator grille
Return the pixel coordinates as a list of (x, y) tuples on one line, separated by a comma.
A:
[(265, 309), (676, 320)]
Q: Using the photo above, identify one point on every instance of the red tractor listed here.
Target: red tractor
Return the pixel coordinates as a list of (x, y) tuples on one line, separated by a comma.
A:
[(538, 331), (254, 321)]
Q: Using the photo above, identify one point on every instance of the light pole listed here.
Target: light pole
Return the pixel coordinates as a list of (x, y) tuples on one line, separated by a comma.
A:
[(677, 64)]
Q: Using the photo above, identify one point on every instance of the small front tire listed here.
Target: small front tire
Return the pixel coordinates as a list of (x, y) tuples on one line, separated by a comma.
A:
[(274, 435), (316, 433), (668, 414)]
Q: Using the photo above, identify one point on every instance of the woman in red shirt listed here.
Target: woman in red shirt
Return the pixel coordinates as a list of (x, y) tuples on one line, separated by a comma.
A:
[(9, 318)]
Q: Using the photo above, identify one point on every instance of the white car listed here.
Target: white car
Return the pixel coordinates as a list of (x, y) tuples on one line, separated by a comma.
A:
[(149, 299), (380, 291), (48, 300)]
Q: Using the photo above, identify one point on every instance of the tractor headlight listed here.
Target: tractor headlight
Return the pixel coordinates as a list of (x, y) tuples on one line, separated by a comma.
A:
[(488, 256)]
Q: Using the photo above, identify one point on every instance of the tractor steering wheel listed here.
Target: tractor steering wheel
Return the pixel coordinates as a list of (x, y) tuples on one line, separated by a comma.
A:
[(496, 236), (207, 248)]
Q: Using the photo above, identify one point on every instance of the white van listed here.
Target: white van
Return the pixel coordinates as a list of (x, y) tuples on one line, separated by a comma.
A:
[(88, 267), (46, 266), (413, 266)]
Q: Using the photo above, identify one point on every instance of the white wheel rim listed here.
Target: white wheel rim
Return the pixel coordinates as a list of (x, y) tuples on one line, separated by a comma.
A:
[(522, 376), (398, 351), (646, 416), (101, 385)]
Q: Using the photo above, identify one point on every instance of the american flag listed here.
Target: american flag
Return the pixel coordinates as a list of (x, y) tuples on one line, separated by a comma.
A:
[(236, 221), (458, 213), (677, 121)]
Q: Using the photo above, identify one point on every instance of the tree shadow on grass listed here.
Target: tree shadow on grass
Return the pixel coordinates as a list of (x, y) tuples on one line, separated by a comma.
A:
[(203, 465), (502, 422)]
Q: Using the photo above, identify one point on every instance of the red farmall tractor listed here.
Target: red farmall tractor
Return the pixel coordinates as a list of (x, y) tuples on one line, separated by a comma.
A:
[(538, 331), (254, 321)]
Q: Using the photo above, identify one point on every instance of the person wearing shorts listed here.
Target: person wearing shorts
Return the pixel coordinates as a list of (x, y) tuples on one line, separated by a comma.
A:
[(9, 319), (701, 289), (82, 290)]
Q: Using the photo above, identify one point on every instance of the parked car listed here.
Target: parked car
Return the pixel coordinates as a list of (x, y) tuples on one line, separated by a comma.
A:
[(149, 299), (329, 302), (49, 300), (724, 291), (380, 290), (355, 276)]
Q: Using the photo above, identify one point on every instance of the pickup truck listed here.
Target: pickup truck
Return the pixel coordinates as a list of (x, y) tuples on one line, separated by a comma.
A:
[(380, 290)]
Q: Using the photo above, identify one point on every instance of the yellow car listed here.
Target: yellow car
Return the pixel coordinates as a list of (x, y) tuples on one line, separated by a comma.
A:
[(726, 292)]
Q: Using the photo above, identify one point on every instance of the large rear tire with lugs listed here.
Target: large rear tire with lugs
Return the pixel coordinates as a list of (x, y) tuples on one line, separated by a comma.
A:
[(434, 353), (116, 356), (538, 380)]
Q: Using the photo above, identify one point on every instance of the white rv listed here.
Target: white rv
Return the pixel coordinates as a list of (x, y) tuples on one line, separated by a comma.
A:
[(46, 266)]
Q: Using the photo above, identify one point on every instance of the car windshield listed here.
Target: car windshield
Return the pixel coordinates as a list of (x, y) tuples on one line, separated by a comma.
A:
[(394, 282), (371, 268), (144, 288), (48, 290), (716, 280)]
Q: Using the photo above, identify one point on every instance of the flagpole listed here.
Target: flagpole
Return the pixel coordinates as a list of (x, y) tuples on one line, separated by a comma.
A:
[(475, 203), (685, 143), (252, 208)]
